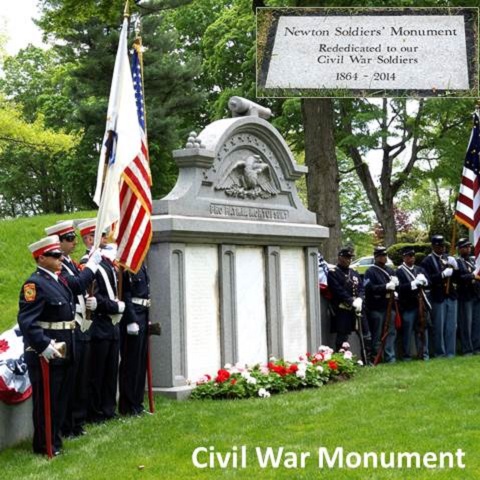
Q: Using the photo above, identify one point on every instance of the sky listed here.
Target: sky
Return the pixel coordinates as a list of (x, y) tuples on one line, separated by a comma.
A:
[(16, 20)]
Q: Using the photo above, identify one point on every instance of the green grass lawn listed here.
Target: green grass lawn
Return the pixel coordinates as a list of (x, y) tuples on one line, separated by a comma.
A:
[(16, 262), (409, 407)]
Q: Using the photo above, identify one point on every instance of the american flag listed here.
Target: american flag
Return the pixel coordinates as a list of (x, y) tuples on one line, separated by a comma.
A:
[(135, 227), (468, 204)]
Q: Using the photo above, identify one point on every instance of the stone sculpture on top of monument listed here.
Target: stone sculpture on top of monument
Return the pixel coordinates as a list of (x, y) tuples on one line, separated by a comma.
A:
[(233, 259)]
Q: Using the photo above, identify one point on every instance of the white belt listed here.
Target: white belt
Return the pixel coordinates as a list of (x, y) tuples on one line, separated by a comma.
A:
[(57, 325), (144, 302)]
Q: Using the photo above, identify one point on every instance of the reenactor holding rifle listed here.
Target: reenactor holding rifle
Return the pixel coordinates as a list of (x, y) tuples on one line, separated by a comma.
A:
[(442, 271), (347, 290), (414, 305), (380, 285)]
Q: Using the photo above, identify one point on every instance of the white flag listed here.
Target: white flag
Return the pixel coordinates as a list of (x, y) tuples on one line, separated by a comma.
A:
[(123, 128)]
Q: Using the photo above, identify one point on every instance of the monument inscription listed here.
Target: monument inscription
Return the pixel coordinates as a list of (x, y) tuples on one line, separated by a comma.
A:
[(370, 52)]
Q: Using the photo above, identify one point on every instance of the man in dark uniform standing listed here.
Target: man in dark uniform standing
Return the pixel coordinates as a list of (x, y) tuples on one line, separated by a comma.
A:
[(105, 339), (414, 305), (78, 281), (133, 341), (46, 315), (347, 291), (380, 285), (442, 271), (468, 288)]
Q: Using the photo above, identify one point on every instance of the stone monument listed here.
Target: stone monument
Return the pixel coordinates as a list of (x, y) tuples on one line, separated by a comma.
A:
[(233, 260)]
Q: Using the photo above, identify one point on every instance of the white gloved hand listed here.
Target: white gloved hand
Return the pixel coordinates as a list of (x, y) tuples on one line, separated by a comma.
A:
[(50, 352), (414, 284), (94, 260), (357, 304), (121, 306), (395, 281), (447, 272), (452, 262), (91, 303), (390, 285), (133, 328), (421, 279)]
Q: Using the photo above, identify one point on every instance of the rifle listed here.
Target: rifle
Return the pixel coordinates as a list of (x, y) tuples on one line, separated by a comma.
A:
[(363, 351), (422, 323), (386, 329)]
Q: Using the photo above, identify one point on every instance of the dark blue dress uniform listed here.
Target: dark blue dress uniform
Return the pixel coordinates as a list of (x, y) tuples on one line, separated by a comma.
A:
[(409, 303), (78, 281), (44, 299), (444, 305), (133, 348), (376, 301), (468, 317), (345, 285), (104, 346)]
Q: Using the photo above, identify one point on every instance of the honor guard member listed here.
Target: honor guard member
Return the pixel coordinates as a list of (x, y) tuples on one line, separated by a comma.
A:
[(133, 341), (442, 271), (87, 232), (46, 315), (347, 291), (414, 305), (104, 349), (380, 284), (78, 281), (468, 299)]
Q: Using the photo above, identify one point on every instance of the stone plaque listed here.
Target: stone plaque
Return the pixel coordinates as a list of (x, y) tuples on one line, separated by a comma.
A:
[(251, 311), (294, 302), (202, 307), (360, 52)]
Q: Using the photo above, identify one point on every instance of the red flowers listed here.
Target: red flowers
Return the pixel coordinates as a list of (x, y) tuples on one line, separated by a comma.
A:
[(4, 346), (222, 376), (332, 365)]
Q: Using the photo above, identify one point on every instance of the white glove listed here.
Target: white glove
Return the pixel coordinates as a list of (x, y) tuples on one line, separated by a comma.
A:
[(121, 306), (357, 304), (50, 352), (94, 260), (421, 279), (452, 262), (133, 328), (395, 281), (447, 272), (390, 285), (414, 284), (91, 303)]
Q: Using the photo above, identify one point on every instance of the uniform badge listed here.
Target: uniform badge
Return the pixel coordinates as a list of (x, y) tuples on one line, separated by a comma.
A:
[(29, 292)]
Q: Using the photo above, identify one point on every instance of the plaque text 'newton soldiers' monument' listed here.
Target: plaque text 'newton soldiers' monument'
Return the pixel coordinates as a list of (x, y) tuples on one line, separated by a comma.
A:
[(367, 52)]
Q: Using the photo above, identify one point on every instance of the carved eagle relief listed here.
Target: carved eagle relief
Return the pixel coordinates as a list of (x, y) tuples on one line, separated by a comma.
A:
[(249, 178)]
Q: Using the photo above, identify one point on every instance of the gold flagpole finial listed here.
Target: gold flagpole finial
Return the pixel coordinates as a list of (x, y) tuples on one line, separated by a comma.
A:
[(126, 12)]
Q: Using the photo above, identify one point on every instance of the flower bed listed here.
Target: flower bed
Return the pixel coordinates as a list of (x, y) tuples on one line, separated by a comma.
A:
[(278, 376)]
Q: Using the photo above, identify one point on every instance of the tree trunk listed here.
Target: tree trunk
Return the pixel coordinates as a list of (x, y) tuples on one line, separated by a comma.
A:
[(323, 176)]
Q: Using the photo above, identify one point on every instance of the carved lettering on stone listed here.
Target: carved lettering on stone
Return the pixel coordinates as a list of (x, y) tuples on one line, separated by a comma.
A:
[(249, 178)]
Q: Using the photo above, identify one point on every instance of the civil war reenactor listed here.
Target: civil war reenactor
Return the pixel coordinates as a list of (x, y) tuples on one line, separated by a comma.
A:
[(346, 287), (380, 284), (104, 349), (46, 318), (442, 272), (414, 305), (78, 281), (468, 299), (134, 341)]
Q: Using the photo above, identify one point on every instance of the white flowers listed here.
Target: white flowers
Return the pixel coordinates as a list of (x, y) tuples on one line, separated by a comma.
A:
[(348, 355), (263, 393), (345, 345), (319, 368)]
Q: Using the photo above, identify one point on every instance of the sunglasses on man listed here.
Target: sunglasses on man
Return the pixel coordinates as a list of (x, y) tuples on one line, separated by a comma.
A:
[(53, 254)]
